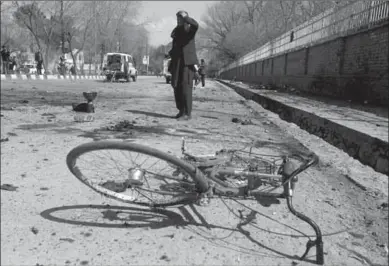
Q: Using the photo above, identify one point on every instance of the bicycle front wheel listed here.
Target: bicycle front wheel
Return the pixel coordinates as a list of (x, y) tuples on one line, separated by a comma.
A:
[(134, 173)]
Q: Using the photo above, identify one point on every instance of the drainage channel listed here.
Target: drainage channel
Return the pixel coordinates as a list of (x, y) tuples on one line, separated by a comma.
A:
[(369, 150)]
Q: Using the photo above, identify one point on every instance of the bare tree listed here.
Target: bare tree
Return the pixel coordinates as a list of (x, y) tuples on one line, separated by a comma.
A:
[(235, 28), (41, 22)]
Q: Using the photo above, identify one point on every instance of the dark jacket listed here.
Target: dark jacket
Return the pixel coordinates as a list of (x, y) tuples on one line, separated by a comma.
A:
[(183, 45), (202, 69), (5, 54)]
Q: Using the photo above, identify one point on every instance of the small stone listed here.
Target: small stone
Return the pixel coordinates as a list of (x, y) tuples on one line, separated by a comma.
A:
[(164, 257), (34, 230)]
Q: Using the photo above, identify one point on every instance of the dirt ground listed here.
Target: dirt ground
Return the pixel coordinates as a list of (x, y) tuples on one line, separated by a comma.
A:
[(53, 219)]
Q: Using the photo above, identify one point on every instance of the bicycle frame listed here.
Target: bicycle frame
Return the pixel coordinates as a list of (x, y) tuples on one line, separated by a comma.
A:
[(288, 178)]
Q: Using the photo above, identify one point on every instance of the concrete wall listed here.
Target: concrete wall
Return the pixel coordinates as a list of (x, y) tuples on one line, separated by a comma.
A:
[(353, 67), (368, 150)]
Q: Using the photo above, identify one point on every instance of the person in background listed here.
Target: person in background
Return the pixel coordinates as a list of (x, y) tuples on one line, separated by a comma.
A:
[(202, 72), (39, 67), (12, 64), (5, 54), (183, 63), (39, 62)]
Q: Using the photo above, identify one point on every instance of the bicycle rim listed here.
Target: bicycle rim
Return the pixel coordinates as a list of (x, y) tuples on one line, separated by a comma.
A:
[(134, 173)]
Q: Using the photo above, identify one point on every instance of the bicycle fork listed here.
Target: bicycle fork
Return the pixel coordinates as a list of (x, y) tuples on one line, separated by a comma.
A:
[(318, 242)]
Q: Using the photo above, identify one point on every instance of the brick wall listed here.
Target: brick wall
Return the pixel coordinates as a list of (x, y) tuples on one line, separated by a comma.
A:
[(353, 67)]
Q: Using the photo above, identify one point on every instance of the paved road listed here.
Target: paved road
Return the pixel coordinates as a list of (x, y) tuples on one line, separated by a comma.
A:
[(54, 219)]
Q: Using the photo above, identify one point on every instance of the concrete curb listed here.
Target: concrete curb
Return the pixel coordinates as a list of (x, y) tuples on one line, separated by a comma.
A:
[(48, 77), (367, 149)]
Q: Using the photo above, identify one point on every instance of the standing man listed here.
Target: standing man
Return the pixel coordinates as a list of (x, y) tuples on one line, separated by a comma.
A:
[(39, 61), (183, 63), (202, 72), (5, 54)]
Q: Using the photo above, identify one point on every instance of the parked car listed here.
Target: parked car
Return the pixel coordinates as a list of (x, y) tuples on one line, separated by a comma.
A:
[(121, 65), (166, 73), (28, 68)]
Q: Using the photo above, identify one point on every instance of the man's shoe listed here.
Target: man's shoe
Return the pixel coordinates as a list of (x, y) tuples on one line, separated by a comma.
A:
[(180, 114), (184, 118)]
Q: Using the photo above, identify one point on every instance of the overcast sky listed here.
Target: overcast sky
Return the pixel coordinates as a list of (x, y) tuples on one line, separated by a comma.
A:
[(162, 15)]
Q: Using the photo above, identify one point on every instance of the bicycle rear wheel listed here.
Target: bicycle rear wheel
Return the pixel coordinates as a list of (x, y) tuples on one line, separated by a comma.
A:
[(134, 173)]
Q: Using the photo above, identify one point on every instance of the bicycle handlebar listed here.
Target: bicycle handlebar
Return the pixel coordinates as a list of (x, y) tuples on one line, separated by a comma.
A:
[(313, 159)]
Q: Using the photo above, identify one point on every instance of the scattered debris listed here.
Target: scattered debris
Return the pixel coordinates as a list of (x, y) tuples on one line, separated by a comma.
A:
[(83, 118), (8, 187), (8, 108), (356, 235), (164, 257), (49, 114), (330, 202), (34, 230), (242, 122), (87, 234), (383, 205), (122, 126), (3, 140), (67, 239)]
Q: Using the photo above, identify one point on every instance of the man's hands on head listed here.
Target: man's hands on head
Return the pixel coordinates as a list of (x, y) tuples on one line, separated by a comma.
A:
[(182, 13)]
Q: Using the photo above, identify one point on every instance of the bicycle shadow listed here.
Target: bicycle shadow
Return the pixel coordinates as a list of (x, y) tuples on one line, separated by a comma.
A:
[(134, 217), (131, 217)]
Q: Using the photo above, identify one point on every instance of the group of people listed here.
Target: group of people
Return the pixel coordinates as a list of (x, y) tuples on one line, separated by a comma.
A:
[(184, 65), (9, 63)]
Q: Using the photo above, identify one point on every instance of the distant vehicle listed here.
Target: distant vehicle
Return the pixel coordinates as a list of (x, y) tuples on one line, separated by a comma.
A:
[(165, 72), (119, 66), (29, 68)]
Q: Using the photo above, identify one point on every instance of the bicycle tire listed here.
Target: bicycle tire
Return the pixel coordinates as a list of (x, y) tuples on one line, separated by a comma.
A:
[(71, 160)]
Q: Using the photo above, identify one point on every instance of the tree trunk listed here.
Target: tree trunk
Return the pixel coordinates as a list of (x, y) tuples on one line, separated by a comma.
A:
[(46, 58)]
